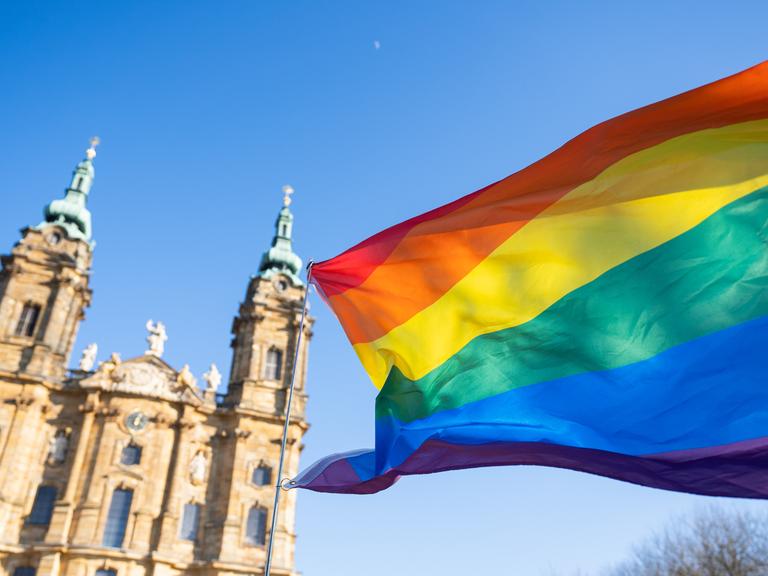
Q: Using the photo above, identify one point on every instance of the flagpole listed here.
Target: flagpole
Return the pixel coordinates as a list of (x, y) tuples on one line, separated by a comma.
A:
[(278, 484)]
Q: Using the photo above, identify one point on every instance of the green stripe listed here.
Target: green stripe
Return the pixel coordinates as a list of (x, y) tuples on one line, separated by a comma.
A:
[(712, 277)]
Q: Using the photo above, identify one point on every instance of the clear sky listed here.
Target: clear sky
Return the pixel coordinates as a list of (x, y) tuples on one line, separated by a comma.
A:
[(374, 111)]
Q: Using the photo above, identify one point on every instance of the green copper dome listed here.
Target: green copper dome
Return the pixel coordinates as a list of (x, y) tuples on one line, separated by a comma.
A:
[(70, 212), (280, 258)]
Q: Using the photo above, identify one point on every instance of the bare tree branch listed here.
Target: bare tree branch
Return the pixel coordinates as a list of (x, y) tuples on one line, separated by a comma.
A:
[(713, 542)]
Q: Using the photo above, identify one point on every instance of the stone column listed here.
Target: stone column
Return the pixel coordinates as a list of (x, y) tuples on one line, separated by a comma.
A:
[(149, 506), (85, 523), (231, 549), (49, 565), (169, 517), (61, 522), (23, 446)]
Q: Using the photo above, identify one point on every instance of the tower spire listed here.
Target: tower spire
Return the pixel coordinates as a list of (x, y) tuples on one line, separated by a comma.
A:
[(70, 212), (281, 258)]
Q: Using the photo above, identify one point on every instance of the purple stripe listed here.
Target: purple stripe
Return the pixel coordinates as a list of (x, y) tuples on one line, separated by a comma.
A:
[(709, 451), (736, 470)]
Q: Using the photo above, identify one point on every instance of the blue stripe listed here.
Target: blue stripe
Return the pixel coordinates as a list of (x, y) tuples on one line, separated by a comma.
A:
[(706, 392)]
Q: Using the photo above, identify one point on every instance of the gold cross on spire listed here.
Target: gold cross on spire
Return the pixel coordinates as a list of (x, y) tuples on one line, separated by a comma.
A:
[(91, 152), (287, 191)]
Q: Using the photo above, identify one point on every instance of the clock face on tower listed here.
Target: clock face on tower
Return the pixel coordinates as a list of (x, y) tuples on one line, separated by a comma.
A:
[(136, 421)]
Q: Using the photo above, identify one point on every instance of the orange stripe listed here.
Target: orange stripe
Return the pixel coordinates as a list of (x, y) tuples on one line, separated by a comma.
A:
[(438, 252)]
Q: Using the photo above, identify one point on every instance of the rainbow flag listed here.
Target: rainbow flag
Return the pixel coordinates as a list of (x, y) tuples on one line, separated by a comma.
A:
[(603, 310)]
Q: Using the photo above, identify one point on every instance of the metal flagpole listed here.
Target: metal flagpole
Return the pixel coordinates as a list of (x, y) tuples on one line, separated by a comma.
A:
[(278, 484)]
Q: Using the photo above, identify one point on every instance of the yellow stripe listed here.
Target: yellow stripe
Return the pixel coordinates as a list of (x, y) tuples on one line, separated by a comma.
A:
[(635, 205)]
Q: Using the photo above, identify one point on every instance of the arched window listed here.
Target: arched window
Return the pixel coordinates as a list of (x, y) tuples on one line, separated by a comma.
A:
[(117, 518), (24, 571), (262, 475), (273, 369), (105, 572), (42, 508), (190, 522), (256, 527), (28, 319), (131, 455)]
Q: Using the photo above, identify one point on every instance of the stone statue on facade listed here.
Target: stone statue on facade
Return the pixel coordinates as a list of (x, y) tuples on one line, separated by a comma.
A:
[(109, 366), (197, 468), (186, 378), (88, 358), (156, 338), (212, 378), (58, 446)]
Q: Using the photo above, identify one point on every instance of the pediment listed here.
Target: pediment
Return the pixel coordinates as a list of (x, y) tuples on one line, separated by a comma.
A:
[(146, 376)]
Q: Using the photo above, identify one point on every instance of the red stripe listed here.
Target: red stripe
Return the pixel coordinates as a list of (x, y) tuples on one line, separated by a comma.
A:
[(738, 98)]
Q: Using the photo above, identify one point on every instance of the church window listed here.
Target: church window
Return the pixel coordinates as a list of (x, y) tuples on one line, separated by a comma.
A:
[(256, 527), (273, 369), (190, 522), (28, 319), (42, 508), (25, 571), (131, 455), (79, 181), (117, 518), (105, 572), (262, 475)]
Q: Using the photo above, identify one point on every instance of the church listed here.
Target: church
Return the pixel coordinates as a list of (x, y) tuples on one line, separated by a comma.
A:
[(129, 466)]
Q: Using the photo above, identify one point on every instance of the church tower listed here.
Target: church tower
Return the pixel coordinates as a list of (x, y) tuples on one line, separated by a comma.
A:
[(266, 328), (43, 295), (264, 339), (44, 284)]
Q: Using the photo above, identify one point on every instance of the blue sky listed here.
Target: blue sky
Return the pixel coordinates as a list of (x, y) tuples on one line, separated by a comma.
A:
[(205, 109)]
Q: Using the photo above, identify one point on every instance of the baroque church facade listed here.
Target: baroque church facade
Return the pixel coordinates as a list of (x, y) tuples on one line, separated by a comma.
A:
[(126, 467)]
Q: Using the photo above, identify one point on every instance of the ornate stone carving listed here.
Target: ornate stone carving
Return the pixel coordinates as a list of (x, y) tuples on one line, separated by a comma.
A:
[(88, 358), (156, 338), (150, 378), (185, 424), (22, 401), (86, 407), (145, 380), (162, 420)]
